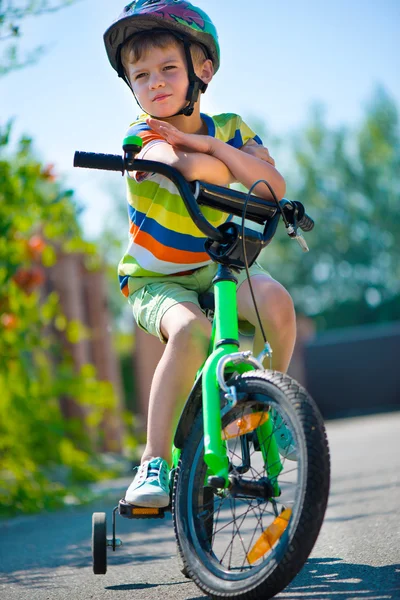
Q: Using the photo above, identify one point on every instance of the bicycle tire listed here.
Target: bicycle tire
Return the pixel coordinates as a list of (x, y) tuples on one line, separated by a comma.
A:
[(99, 543), (270, 389)]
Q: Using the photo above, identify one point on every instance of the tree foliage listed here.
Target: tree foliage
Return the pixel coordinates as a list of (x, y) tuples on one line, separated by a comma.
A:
[(41, 453), (348, 180), (12, 13)]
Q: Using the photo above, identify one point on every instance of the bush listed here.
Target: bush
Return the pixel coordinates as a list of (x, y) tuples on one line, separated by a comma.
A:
[(41, 453)]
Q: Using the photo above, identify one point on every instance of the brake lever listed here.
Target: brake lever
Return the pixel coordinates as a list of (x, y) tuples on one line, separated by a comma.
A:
[(302, 242), (294, 235)]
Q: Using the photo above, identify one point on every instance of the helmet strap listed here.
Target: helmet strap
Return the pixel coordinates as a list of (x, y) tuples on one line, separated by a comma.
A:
[(195, 87)]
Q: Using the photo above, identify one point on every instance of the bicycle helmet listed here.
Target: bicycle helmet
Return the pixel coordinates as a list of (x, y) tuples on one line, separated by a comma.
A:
[(182, 19)]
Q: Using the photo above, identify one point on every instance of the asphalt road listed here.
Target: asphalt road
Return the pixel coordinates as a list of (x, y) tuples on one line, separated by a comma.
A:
[(357, 555)]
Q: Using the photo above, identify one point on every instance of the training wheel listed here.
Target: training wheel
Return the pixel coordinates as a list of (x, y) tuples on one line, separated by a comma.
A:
[(99, 543)]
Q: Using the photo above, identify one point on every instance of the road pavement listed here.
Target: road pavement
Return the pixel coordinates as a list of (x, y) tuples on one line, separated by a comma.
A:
[(357, 555)]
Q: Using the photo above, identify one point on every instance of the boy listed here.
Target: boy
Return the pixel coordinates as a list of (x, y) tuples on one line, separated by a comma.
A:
[(167, 52)]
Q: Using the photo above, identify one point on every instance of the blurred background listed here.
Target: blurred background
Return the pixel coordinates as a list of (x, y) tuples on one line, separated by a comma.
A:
[(319, 83)]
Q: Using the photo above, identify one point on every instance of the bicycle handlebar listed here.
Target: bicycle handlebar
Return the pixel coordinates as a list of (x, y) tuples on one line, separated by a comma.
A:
[(104, 162), (203, 194), (306, 223)]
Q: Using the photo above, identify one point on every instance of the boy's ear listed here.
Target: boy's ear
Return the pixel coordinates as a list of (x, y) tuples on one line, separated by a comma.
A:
[(206, 71)]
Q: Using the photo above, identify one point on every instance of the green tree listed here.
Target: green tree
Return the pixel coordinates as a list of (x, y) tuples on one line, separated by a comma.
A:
[(349, 182), (12, 13), (41, 454)]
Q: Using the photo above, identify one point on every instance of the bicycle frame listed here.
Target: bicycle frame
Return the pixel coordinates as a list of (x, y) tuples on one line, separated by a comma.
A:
[(224, 346)]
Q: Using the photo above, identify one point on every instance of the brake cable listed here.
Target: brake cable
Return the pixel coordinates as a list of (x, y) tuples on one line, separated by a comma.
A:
[(246, 265)]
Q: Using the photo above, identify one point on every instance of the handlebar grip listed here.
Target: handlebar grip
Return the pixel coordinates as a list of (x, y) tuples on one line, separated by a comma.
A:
[(306, 223), (93, 160)]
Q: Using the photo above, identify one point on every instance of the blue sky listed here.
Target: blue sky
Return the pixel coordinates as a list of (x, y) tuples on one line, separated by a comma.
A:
[(277, 60)]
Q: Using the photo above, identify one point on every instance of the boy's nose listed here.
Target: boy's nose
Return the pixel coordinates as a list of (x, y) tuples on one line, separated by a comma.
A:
[(156, 81)]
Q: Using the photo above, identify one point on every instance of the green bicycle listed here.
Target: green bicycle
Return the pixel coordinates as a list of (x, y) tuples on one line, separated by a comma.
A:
[(245, 516)]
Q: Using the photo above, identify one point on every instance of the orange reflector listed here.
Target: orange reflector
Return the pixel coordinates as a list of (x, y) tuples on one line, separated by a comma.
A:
[(244, 425), (268, 537), (145, 511)]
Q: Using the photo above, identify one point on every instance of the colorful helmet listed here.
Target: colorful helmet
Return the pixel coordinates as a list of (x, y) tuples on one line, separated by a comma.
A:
[(175, 15)]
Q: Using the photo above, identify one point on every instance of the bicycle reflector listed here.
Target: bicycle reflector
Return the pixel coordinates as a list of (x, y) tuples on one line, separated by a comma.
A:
[(270, 536), (245, 424), (144, 511)]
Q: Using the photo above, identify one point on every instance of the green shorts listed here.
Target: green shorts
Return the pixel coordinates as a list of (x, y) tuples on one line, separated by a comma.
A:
[(151, 301)]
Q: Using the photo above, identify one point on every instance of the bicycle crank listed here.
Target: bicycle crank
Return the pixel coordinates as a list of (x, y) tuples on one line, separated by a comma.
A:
[(241, 487)]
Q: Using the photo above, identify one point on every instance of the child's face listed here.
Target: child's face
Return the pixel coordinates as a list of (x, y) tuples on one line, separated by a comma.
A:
[(160, 80)]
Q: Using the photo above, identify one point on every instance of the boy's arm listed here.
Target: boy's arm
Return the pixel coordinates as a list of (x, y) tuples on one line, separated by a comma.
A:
[(247, 169), (244, 167), (192, 165)]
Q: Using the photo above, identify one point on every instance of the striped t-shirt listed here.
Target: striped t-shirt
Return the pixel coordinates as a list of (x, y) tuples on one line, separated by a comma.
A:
[(163, 239)]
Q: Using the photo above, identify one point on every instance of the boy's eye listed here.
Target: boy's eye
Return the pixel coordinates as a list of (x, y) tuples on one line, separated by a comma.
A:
[(144, 74)]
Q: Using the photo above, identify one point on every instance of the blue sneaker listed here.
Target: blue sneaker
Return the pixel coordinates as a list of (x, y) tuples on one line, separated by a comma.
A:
[(150, 487), (284, 439)]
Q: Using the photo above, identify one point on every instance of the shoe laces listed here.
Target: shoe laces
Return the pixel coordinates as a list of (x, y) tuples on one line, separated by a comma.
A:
[(155, 468)]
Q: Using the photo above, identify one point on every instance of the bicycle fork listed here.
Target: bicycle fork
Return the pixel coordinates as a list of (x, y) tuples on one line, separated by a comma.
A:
[(225, 352)]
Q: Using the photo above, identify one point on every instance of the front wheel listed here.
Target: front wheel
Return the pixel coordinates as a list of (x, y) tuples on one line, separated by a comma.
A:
[(245, 544)]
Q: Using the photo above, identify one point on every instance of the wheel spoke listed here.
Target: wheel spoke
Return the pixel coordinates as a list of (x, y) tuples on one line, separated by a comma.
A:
[(238, 522)]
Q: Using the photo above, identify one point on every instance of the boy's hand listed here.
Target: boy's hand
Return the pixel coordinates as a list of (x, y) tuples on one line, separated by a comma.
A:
[(191, 142), (251, 147)]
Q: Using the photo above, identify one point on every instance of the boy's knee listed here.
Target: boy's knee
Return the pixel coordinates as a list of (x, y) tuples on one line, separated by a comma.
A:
[(191, 332), (277, 307)]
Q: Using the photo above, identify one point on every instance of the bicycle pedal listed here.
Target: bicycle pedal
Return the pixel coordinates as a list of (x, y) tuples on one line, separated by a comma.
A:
[(130, 511)]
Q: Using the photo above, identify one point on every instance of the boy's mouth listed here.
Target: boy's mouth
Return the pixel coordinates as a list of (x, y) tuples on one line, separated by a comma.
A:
[(161, 97)]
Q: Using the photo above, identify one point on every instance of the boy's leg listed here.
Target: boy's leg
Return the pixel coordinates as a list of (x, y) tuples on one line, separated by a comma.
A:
[(187, 332), (277, 314)]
